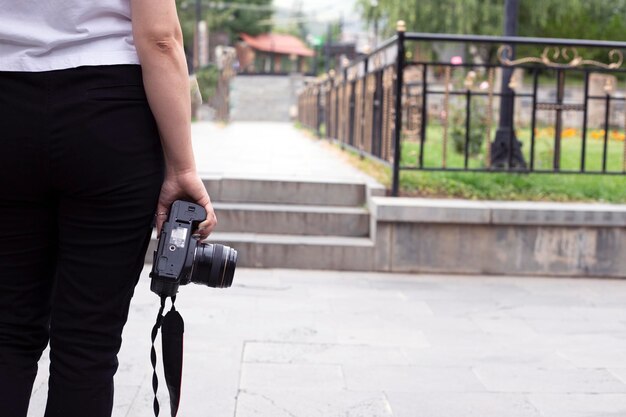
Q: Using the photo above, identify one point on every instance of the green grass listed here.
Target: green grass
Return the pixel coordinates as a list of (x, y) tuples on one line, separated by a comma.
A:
[(504, 186), (571, 148), (529, 187)]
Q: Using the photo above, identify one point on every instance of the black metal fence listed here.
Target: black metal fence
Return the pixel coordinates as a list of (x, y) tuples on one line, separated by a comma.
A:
[(478, 103)]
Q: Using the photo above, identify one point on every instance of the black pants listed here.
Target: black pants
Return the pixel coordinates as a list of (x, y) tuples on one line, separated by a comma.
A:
[(81, 167)]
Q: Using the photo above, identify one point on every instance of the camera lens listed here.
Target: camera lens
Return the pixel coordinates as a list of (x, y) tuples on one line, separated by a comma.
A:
[(214, 265)]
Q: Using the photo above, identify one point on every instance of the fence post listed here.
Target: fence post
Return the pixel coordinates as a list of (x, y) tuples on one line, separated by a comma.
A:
[(318, 107), (401, 28)]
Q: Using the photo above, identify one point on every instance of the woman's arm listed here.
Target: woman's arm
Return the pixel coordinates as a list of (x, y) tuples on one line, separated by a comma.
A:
[(159, 42)]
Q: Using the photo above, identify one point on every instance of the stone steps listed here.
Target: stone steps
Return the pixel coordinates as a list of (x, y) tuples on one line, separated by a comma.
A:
[(284, 219), (287, 191), (278, 223), (263, 97), (297, 251)]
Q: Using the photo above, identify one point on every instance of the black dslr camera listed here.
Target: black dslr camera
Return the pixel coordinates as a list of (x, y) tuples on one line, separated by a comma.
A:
[(181, 258)]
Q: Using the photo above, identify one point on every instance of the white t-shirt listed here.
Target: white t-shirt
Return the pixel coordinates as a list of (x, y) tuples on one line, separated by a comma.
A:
[(44, 35)]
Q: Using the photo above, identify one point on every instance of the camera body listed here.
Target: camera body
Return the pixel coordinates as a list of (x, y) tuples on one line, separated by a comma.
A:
[(181, 258)]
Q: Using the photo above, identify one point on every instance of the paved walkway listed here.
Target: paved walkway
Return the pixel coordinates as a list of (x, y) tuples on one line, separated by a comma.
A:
[(285, 343), (267, 150)]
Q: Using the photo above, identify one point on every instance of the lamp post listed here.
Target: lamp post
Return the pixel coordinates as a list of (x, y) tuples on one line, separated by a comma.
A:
[(506, 150), (374, 13), (329, 36), (196, 39)]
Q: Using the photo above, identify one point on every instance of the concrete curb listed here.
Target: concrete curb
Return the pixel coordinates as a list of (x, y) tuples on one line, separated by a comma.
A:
[(414, 210)]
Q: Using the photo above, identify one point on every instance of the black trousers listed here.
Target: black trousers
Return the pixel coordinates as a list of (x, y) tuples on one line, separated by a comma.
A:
[(81, 166)]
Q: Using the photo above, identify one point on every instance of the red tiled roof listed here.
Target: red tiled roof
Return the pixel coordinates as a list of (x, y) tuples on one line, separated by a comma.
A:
[(278, 43)]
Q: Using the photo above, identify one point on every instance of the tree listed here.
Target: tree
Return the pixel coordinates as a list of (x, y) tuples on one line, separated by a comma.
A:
[(598, 19), (248, 18), (296, 23), (438, 16), (232, 16)]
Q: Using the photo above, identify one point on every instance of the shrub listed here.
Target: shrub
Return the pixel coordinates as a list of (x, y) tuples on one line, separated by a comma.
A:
[(207, 80), (478, 128)]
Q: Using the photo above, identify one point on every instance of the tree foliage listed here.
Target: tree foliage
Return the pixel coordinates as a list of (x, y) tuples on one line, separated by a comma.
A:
[(585, 19), (233, 17), (250, 21), (437, 16), (296, 24)]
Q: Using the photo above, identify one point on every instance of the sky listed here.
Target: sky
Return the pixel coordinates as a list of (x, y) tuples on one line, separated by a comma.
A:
[(322, 12), (323, 9)]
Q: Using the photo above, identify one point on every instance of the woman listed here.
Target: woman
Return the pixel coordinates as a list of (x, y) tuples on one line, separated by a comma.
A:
[(94, 142)]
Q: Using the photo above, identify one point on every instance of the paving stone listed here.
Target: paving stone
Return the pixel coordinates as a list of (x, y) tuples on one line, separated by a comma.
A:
[(620, 373), (511, 328), (509, 378), (580, 405), (373, 331), (323, 343), (455, 404), (39, 394), (198, 401), (472, 355), (410, 379), (547, 326), (125, 396), (279, 403), (593, 351), (486, 308), (266, 150), (435, 324), (445, 338), (291, 376), (323, 354), (375, 306), (569, 313)]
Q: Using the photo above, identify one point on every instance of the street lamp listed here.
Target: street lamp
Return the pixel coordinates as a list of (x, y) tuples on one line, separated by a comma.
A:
[(196, 41), (374, 4), (506, 150)]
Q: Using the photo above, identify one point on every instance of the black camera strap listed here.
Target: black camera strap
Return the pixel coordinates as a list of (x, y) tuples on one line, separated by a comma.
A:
[(172, 328)]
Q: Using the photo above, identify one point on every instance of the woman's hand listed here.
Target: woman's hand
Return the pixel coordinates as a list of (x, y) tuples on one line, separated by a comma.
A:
[(185, 186)]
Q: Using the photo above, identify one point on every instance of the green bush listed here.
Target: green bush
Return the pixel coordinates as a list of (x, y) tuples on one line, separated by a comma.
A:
[(478, 128), (207, 80)]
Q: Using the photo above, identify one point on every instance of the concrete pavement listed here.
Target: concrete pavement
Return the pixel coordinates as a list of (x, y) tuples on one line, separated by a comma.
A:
[(287, 343), (267, 150)]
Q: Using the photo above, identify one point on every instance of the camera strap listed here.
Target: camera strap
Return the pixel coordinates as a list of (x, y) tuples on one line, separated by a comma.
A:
[(172, 328)]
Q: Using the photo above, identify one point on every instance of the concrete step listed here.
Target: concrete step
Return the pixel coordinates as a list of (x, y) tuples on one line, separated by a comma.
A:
[(289, 251), (286, 191), (263, 98), (286, 219)]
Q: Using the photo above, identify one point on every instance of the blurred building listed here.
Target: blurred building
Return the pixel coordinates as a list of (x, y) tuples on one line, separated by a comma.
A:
[(273, 53)]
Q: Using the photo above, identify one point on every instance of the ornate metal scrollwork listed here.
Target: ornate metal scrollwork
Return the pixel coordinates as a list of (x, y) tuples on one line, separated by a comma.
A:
[(569, 56)]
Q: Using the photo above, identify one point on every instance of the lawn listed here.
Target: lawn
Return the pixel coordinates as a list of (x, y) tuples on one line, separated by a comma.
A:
[(571, 148), (508, 186)]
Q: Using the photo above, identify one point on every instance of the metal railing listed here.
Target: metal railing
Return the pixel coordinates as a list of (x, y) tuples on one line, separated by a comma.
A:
[(477, 116)]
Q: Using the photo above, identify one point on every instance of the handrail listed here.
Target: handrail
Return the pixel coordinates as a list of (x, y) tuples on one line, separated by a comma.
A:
[(514, 40)]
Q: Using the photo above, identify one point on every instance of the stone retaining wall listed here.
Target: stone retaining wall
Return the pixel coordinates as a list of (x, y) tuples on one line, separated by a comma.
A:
[(510, 238)]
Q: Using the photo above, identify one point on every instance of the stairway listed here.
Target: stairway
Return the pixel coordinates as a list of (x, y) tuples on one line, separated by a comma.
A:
[(276, 223), (263, 97)]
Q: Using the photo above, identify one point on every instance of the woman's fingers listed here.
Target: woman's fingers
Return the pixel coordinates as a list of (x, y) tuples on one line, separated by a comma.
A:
[(206, 227), (161, 216), (186, 187)]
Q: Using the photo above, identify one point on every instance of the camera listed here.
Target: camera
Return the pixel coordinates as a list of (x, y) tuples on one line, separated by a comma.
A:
[(181, 258)]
